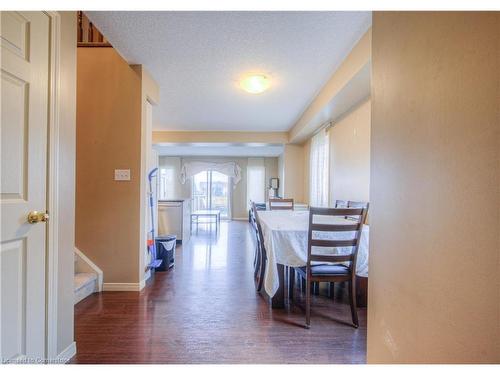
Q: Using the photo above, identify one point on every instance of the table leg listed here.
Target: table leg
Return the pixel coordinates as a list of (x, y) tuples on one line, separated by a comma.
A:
[(278, 300)]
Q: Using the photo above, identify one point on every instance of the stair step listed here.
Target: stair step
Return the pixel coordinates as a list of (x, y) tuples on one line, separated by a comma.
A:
[(84, 285)]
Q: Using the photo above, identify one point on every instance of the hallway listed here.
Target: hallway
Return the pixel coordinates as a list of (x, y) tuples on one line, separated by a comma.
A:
[(206, 310)]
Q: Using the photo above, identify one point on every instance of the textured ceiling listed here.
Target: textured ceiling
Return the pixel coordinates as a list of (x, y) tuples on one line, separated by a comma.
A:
[(198, 57)]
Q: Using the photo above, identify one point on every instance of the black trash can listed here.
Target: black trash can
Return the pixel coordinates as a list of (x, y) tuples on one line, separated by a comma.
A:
[(165, 250)]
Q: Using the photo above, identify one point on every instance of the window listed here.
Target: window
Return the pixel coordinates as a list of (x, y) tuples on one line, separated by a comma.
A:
[(318, 178), (256, 181)]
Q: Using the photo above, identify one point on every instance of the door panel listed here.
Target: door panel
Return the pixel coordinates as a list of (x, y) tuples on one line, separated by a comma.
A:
[(200, 191), (14, 297), (24, 127), (210, 191), (14, 121), (219, 193)]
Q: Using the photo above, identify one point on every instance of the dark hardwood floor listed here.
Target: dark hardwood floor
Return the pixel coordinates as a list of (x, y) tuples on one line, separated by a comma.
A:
[(206, 310)]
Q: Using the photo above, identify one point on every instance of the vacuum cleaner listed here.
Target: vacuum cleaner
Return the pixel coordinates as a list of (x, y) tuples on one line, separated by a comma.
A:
[(151, 243)]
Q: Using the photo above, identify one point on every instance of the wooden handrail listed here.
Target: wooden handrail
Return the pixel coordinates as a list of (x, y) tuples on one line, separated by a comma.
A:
[(88, 35)]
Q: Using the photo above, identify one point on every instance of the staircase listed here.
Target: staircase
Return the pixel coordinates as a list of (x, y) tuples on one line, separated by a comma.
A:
[(88, 277)]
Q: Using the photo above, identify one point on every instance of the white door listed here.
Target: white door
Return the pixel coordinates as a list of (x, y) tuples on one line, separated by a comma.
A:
[(24, 126)]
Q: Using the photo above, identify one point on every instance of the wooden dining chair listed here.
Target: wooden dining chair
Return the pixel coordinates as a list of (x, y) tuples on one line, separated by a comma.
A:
[(359, 204), (332, 268), (253, 223), (355, 204), (341, 204), (281, 204), (260, 258)]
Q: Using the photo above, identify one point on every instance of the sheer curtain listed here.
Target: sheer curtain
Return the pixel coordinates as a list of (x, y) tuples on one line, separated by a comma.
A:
[(256, 181), (318, 177)]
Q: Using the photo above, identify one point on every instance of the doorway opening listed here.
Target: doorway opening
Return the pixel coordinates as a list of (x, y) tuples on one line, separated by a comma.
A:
[(210, 190)]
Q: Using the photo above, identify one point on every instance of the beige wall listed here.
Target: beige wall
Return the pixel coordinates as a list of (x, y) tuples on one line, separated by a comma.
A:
[(358, 58), (238, 195), (349, 137), (435, 220), (350, 156), (349, 171), (66, 169), (108, 138), (293, 172), (219, 137)]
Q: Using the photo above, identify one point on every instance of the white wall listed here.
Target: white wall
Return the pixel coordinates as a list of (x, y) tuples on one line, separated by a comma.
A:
[(66, 167), (174, 163), (281, 175)]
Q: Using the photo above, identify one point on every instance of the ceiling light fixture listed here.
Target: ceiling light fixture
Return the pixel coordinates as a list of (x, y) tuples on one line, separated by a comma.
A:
[(255, 83)]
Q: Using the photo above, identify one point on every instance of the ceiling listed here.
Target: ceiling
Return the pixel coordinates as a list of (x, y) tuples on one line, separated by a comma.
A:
[(219, 149), (197, 59)]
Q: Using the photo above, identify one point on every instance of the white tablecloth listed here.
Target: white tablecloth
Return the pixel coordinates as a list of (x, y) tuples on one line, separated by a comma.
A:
[(285, 239)]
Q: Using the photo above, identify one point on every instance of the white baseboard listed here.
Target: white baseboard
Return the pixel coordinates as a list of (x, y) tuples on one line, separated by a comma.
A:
[(67, 353), (147, 276), (123, 287)]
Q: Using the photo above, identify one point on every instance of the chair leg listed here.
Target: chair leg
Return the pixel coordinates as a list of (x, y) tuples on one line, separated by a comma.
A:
[(352, 300), (255, 256), (256, 262), (308, 303), (262, 266), (291, 282), (315, 288), (257, 274), (331, 290)]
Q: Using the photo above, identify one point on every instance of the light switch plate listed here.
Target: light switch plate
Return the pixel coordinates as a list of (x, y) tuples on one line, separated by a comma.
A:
[(122, 174)]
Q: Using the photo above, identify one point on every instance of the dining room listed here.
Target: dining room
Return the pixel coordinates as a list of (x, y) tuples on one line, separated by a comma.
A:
[(304, 210), (254, 262)]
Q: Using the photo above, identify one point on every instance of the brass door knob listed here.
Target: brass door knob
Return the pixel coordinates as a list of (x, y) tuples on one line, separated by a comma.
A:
[(36, 217)]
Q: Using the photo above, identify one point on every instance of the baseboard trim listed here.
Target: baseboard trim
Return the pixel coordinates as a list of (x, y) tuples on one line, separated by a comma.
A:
[(67, 354), (122, 287), (142, 284), (147, 276)]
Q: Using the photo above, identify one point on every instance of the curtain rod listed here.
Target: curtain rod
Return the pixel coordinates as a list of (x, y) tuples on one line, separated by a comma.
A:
[(328, 124), (324, 126)]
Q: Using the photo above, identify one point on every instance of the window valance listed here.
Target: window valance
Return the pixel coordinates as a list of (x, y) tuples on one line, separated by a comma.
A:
[(230, 169)]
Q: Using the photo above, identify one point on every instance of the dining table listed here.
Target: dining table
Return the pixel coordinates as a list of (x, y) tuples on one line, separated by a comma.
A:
[(285, 234)]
